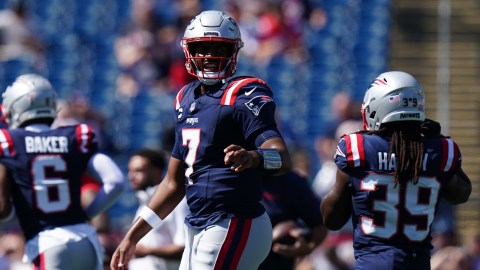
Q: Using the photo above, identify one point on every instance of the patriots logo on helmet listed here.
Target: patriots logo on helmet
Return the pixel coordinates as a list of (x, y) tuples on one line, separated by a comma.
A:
[(378, 81), (255, 104), (211, 33)]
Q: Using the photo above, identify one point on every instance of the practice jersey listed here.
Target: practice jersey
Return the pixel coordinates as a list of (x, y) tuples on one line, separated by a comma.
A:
[(46, 168), (385, 215), (205, 126)]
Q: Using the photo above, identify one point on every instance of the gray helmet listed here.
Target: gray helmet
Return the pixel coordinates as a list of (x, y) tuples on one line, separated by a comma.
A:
[(393, 96), (214, 27), (30, 96)]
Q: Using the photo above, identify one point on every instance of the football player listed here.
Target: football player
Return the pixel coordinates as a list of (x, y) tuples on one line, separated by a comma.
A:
[(40, 179), (226, 138), (289, 199), (391, 176)]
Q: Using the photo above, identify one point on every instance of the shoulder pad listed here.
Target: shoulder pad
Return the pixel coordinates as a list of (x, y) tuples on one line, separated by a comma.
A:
[(355, 152), (178, 98), (6, 144), (450, 154), (231, 91), (85, 138)]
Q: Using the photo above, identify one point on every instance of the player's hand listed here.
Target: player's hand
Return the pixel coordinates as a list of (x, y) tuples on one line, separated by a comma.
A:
[(300, 247), (239, 158), (122, 255), (431, 128)]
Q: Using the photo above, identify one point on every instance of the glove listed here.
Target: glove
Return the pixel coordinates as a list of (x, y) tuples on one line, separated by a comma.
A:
[(431, 129)]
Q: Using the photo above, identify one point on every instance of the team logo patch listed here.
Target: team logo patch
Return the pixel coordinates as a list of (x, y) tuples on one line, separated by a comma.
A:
[(339, 152), (192, 106), (255, 104)]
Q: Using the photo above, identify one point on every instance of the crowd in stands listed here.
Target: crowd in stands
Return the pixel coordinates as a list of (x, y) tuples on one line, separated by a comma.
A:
[(149, 64)]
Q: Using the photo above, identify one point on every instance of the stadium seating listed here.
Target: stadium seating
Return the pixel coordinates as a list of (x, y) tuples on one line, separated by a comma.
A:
[(79, 35)]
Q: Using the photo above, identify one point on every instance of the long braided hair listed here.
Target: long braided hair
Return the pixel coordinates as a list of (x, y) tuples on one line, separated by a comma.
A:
[(407, 145)]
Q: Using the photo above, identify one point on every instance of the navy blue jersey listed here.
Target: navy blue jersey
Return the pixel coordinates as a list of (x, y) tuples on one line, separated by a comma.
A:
[(207, 124), (386, 216), (289, 197), (46, 168)]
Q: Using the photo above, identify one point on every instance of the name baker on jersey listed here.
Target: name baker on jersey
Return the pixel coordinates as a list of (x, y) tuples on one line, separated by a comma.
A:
[(51, 144)]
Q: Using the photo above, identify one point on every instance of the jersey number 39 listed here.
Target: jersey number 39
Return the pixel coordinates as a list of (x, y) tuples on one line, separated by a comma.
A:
[(389, 206)]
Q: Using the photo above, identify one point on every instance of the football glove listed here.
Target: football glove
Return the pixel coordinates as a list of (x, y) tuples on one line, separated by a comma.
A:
[(431, 129)]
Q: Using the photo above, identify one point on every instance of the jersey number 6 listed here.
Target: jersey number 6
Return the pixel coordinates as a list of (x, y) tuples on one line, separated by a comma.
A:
[(52, 194)]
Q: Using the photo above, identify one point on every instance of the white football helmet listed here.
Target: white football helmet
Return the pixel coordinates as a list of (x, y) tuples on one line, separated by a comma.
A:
[(393, 96), (30, 96), (213, 27)]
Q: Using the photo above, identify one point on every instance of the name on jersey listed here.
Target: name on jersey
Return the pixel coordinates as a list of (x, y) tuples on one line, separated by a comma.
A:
[(410, 115), (51, 144), (389, 165), (192, 121)]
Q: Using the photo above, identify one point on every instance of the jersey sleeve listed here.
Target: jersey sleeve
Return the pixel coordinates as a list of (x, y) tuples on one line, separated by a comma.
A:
[(451, 156), (255, 108), (176, 150), (350, 153), (85, 139), (6, 144)]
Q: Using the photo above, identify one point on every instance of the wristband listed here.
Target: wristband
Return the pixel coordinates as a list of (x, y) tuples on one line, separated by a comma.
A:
[(270, 160), (150, 217)]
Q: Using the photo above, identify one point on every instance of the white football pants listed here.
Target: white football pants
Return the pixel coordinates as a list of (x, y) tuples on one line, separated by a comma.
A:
[(232, 243)]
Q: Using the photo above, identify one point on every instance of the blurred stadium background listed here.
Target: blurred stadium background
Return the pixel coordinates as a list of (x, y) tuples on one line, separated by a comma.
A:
[(437, 41)]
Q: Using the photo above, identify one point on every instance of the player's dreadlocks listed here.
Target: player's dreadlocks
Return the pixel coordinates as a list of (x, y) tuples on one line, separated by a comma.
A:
[(407, 146)]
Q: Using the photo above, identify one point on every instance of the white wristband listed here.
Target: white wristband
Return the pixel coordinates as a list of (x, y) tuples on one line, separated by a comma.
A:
[(150, 217)]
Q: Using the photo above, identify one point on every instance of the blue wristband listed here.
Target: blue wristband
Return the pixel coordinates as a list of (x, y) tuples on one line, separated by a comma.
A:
[(270, 160)]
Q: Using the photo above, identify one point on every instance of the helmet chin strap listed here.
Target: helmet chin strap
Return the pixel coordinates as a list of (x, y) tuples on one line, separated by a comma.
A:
[(208, 81)]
